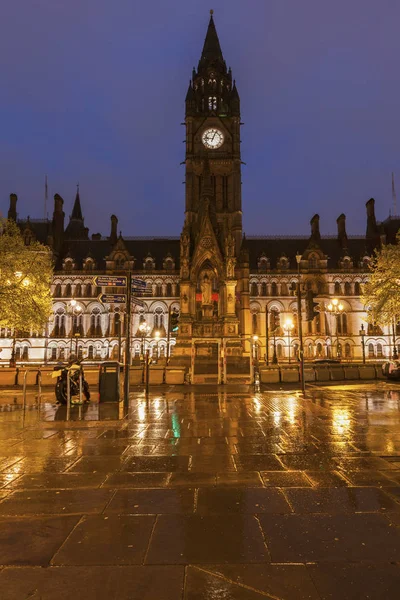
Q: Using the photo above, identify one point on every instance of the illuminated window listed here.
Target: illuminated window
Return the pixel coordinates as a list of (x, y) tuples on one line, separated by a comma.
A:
[(212, 103)]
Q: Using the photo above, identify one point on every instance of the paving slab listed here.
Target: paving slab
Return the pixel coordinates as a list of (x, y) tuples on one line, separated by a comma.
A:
[(244, 501), (155, 501), (33, 541), (93, 583), (311, 538), (340, 500), (356, 582), (50, 502), (190, 539), (237, 582), (107, 540)]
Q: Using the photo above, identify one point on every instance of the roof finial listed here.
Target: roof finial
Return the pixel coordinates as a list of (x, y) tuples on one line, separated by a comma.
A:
[(77, 188), (211, 12)]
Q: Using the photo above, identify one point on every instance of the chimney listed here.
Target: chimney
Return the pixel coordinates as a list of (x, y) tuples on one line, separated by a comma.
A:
[(315, 234), (341, 227), (372, 235), (114, 225), (58, 223), (12, 211)]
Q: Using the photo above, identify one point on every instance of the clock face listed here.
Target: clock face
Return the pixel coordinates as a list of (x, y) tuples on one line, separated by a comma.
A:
[(212, 138)]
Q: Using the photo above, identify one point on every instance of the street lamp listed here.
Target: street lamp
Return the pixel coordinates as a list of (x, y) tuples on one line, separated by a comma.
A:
[(25, 282), (395, 356), (157, 337), (362, 334), (288, 327), (300, 325), (336, 308), (144, 330), (75, 311)]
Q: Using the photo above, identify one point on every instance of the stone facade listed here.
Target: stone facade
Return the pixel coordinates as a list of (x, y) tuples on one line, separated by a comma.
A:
[(226, 287)]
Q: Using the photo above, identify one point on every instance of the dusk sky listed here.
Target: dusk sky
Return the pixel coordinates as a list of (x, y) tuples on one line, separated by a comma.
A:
[(92, 91)]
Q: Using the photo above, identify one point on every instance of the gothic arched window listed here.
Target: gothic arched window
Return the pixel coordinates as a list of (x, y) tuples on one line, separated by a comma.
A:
[(254, 289), (357, 288), (274, 289), (263, 289), (255, 323), (338, 288), (347, 288), (169, 289), (212, 103)]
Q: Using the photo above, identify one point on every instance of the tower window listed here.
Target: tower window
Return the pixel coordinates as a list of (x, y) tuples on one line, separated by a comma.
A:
[(212, 103)]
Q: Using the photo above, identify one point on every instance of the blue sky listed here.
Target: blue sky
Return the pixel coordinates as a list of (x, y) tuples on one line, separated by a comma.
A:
[(93, 91)]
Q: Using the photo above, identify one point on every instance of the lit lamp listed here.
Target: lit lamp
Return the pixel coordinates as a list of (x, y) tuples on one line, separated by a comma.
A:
[(255, 353), (144, 330), (336, 308), (288, 327), (362, 334)]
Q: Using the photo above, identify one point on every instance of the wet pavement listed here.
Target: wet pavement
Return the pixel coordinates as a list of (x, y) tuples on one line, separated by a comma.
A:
[(203, 494)]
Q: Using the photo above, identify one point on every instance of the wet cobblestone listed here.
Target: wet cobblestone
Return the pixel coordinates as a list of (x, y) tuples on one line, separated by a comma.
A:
[(203, 494)]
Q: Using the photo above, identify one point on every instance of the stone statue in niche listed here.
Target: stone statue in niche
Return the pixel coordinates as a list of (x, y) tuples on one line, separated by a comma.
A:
[(206, 293)]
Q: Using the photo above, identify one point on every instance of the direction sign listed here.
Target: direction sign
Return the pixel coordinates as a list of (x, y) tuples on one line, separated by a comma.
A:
[(137, 301), (112, 298), (109, 280), (138, 283)]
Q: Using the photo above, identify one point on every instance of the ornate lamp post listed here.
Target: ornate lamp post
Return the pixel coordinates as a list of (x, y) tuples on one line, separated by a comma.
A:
[(395, 355), (362, 334), (300, 325), (288, 327), (157, 337), (144, 330), (336, 308), (75, 310)]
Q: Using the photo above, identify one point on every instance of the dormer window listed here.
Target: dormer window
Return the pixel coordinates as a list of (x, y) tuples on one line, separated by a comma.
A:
[(263, 264), (283, 262), (347, 262), (365, 263), (27, 237), (149, 264), (68, 265), (119, 262), (313, 262), (89, 264), (169, 264)]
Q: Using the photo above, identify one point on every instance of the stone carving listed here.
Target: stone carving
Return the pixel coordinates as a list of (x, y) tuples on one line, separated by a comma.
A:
[(206, 291)]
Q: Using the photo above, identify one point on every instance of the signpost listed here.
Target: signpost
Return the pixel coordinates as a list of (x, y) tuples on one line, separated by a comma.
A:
[(137, 301), (138, 283), (112, 298), (109, 281), (132, 285)]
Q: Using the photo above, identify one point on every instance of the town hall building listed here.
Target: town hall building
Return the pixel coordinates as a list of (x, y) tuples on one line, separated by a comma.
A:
[(228, 296)]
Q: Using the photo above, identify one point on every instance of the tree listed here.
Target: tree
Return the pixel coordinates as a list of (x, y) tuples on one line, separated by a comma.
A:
[(382, 291), (25, 278)]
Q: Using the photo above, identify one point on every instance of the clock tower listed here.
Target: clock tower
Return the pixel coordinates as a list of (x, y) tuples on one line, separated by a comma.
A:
[(213, 279)]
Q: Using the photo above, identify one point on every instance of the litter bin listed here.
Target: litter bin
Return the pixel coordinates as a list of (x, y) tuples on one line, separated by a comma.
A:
[(109, 381)]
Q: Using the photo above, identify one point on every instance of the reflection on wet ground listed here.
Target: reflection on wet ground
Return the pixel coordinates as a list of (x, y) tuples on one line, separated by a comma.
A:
[(203, 494)]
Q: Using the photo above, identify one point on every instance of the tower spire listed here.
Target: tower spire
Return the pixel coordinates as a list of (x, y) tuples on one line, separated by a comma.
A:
[(77, 210), (394, 197), (212, 53)]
